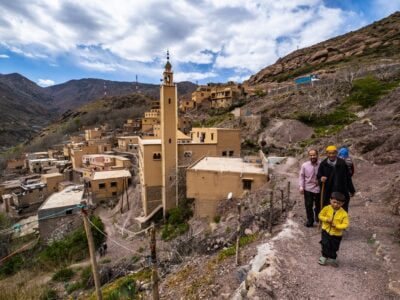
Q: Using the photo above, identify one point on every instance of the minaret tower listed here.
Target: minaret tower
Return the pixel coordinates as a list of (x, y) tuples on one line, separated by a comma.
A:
[(169, 146)]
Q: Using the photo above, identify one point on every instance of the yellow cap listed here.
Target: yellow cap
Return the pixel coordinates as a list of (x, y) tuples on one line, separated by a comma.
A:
[(331, 148)]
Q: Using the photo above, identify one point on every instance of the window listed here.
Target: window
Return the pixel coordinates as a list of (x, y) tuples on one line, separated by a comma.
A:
[(247, 184), (223, 153), (102, 185), (68, 212), (169, 100), (212, 136), (187, 154), (169, 140), (113, 184), (156, 156), (231, 153), (114, 193)]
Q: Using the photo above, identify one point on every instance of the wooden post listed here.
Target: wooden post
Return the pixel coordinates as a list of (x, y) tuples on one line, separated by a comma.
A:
[(239, 206), (127, 196), (92, 253), (282, 202), (288, 192), (122, 197), (271, 209), (154, 275)]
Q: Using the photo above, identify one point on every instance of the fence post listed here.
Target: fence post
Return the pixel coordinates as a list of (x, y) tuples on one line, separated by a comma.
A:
[(282, 202), (271, 209), (239, 206), (154, 275), (288, 192)]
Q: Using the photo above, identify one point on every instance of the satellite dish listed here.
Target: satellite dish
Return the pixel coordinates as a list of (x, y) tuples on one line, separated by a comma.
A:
[(230, 195)]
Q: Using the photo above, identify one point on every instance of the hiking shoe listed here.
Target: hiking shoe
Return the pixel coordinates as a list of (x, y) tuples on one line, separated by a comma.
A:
[(332, 262), (308, 224), (322, 261)]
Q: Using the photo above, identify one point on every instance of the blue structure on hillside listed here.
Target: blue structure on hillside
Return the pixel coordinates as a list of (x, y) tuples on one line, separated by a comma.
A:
[(306, 79)]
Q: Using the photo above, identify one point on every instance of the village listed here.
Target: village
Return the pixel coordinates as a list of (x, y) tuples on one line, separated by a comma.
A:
[(99, 167)]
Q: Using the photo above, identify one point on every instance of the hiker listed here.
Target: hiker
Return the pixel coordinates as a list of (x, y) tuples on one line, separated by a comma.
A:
[(309, 187), (344, 154), (334, 220), (103, 249), (334, 176)]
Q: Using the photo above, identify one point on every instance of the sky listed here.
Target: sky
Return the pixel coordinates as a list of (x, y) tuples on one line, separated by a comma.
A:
[(53, 41)]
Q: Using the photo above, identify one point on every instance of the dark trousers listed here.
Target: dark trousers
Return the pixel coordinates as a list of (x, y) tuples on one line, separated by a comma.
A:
[(312, 200), (346, 203), (330, 244)]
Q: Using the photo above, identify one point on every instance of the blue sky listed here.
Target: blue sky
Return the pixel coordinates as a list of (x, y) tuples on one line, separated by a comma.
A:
[(53, 41)]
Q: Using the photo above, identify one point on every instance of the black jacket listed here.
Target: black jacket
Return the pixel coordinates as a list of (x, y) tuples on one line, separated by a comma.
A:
[(339, 179)]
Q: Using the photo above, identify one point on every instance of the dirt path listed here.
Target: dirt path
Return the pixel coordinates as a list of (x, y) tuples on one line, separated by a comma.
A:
[(368, 268)]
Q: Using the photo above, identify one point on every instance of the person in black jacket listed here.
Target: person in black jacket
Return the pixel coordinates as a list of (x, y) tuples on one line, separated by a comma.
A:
[(334, 172)]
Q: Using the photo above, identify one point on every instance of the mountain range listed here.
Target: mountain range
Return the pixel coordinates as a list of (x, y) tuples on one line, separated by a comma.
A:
[(27, 107)]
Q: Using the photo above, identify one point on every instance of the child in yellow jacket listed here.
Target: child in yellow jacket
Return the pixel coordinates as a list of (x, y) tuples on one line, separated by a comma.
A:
[(334, 220)]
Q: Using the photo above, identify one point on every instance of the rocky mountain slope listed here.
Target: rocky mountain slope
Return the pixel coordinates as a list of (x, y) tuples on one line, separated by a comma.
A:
[(25, 108), (378, 40), (75, 93)]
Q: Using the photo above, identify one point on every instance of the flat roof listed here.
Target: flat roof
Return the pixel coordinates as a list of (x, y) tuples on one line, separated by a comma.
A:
[(110, 174), (51, 175), (71, 195), (227, 164), (150, 141), (127, 137), (42, 159), (105, 155)]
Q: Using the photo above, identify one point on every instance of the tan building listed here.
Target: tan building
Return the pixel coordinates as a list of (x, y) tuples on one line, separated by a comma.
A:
[(187, 104), (224, 96), (133, 125), (211, 179), (104, 162), (201, 94), (93, 134), (41, 165), (160, 158), (128, 143), (15, 164), (109, 184), (78, 153), (52, 180)]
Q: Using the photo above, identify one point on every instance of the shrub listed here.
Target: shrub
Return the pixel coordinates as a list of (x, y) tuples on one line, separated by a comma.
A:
[(49, 294), (217, 219), (12, 265), (63, 275), (72, 248), (177, 221)]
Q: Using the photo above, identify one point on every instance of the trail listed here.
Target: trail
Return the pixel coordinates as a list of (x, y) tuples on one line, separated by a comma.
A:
[(368, 269)]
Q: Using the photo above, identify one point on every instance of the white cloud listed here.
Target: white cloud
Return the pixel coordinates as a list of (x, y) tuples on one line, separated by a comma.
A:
[(4, 56), (45, 82), (118, 35), (183, 76)]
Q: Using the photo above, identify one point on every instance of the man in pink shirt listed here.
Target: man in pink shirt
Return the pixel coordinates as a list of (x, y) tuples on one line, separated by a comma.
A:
[(309, 187)]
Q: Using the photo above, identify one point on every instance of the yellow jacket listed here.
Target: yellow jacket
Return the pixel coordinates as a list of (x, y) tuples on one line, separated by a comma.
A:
[(340, 220)]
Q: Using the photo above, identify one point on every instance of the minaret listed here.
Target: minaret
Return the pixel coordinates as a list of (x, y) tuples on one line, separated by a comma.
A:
[(169, 147)]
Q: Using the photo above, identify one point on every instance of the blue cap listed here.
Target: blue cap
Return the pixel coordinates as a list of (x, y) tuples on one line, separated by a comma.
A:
[(343, 152)]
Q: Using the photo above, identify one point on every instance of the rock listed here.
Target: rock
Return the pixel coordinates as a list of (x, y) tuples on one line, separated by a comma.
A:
[(394, 287), (248, 231), (241, 273)]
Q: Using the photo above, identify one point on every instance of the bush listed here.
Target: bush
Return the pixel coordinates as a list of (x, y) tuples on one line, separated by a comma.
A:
[(63, 275), (72, 248), (12, 265), (177, 221), (367, 91), (49, 294)]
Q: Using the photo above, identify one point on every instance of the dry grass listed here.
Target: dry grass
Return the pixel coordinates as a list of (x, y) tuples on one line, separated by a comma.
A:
[(24, 285)]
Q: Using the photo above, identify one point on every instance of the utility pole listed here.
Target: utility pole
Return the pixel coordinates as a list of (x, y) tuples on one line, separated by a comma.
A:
[(92, 252), (154, 275), (127, 195), (239, 206)]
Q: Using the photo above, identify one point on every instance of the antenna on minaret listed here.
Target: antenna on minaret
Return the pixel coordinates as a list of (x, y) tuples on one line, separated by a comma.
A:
[(167, 55), (105, 89)]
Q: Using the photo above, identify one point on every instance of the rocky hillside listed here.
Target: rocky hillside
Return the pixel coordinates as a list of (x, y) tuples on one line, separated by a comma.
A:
[(378, 40), (25, 109), (75, 93)]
